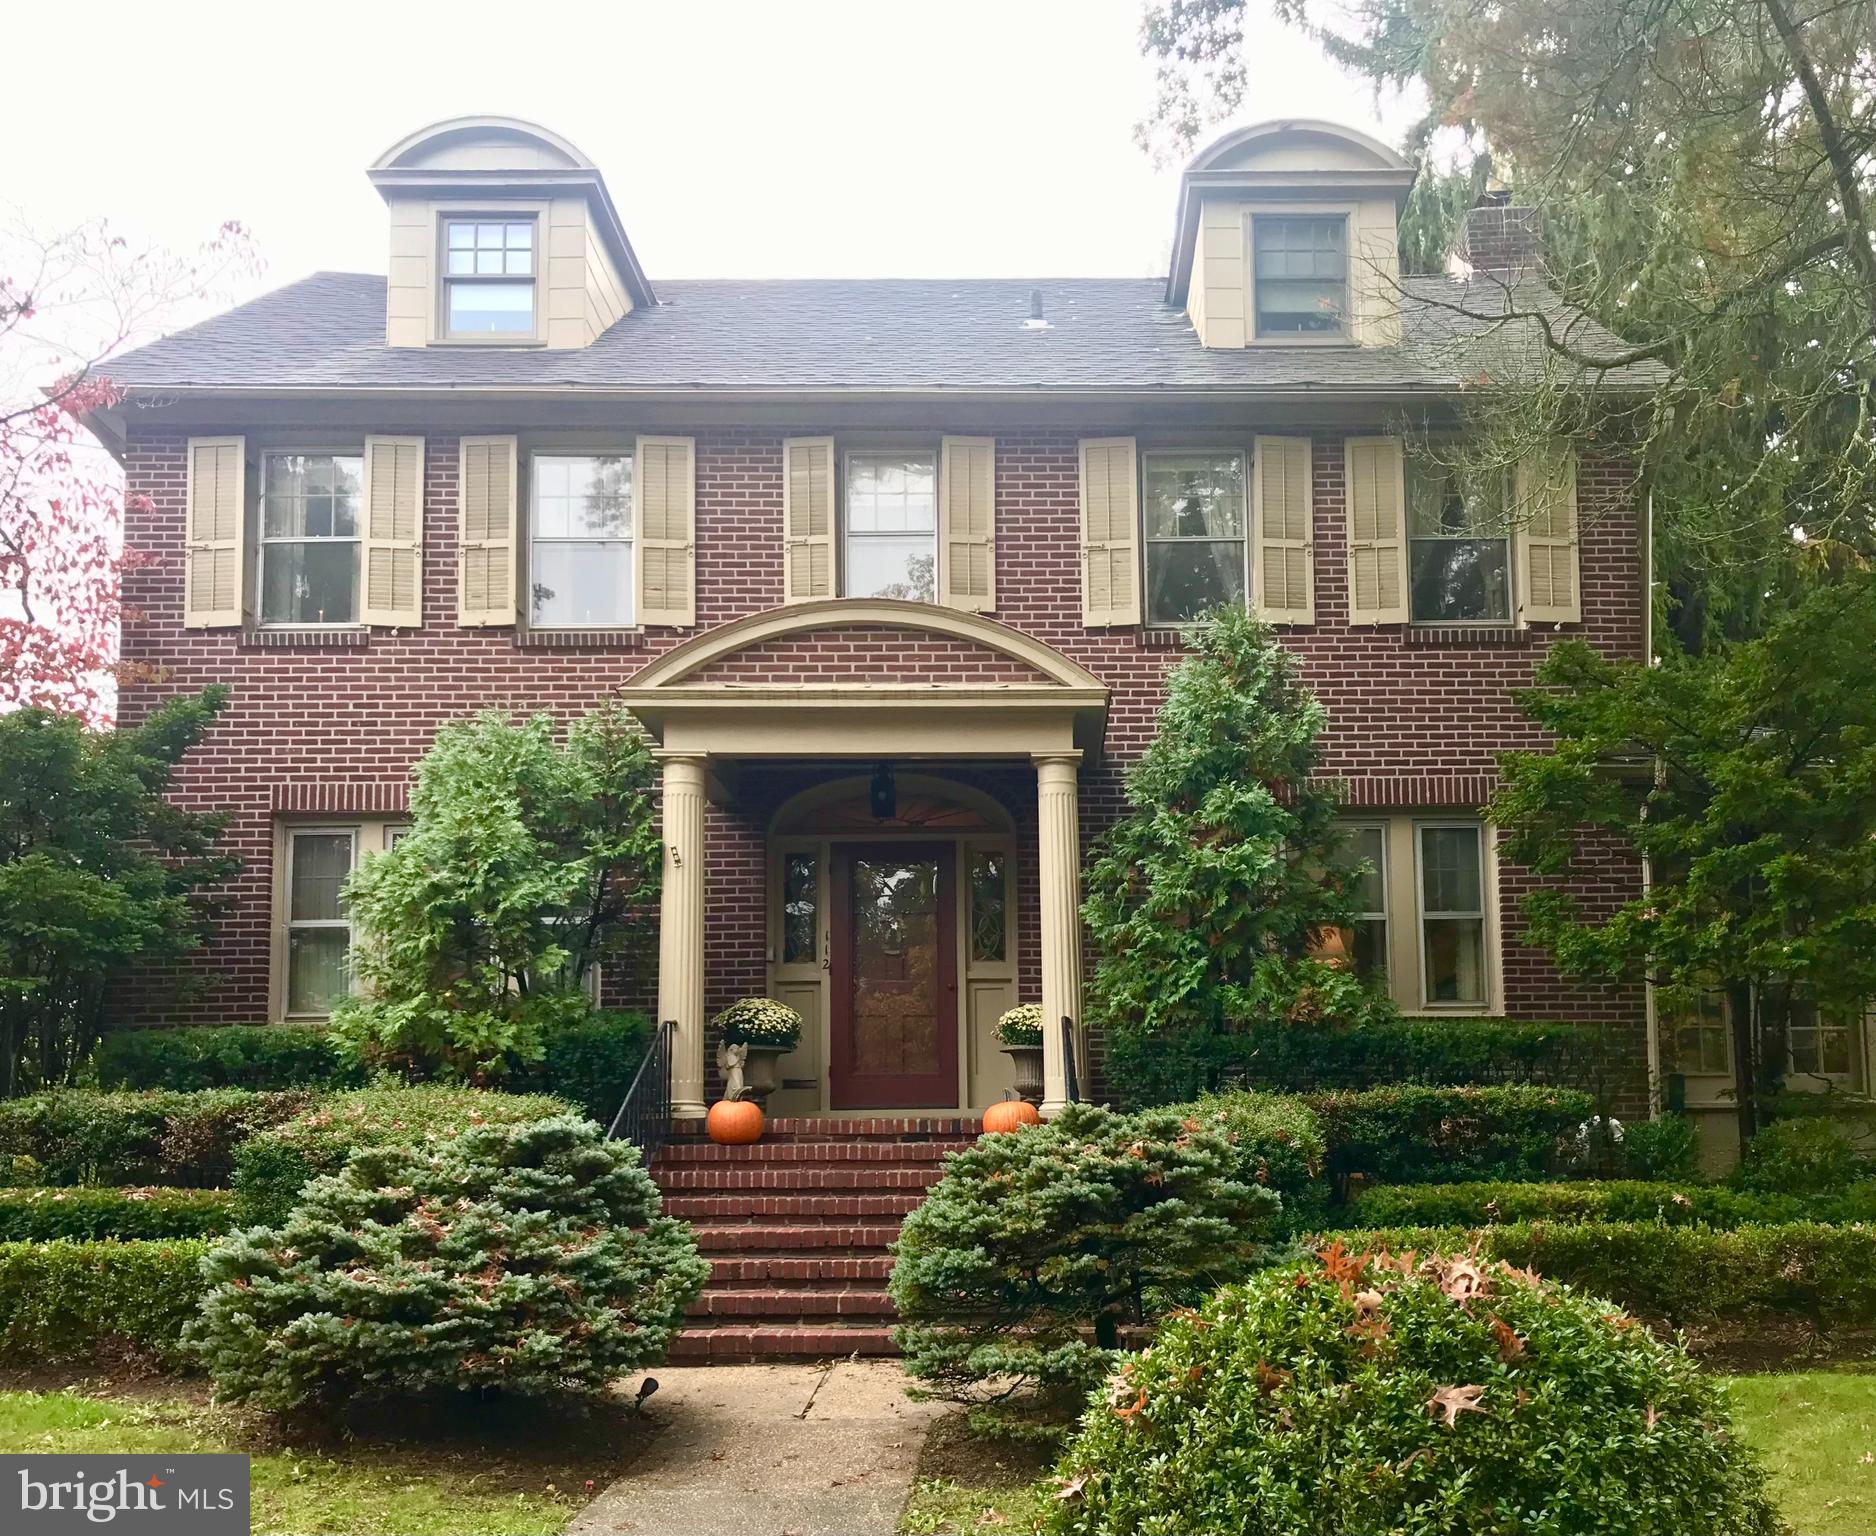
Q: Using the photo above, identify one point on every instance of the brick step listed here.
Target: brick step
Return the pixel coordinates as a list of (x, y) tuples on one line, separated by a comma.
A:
[(812, 1153), (777, 1341), (729, 1209), (825, 1128), (784, 1179), (741, 1268), (799, 1304), (818, 1238)]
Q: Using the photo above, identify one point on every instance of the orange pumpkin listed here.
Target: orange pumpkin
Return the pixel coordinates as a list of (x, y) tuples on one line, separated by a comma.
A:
[(1010, 1115), (734, 1122)]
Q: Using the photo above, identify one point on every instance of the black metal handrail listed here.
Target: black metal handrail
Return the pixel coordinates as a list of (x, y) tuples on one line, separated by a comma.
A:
[(1071, 1079), (644, 1116)]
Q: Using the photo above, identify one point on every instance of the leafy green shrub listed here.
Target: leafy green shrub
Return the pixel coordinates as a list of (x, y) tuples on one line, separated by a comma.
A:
[(1809, 1155), (1590, 1200), (224, 1056), (40, 1215), (1276, 1142), (1373, 1394), (590, 1063), (1667, 1147), (1408, 1133), (1686, 1276), (1038, 1246), (78, 1136), (530, 1258), (271, 1169), (62, 1300)]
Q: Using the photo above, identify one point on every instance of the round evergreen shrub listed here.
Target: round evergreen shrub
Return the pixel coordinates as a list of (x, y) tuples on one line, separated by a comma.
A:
[(1018, 1274), (1810, 1155), (1370, 1394), (1278, 1144), (530, 1259)]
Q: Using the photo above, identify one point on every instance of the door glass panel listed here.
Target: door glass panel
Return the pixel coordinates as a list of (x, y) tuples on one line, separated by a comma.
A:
[(894, 934), (800, 890), (988, 902)]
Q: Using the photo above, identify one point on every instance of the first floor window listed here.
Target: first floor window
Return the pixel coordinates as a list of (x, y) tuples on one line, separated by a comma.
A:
[(1300, 275), (309, 537), (1699, 1032), (1368, 940), (1822, 1045), (319, 935), (891, 530), (580, 547), (488, 278), (1195, 533), (1452, 914), (1459, 550)]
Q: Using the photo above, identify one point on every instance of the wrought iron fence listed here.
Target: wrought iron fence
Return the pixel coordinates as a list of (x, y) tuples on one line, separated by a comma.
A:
[(1071, 1079), (644, 1117)]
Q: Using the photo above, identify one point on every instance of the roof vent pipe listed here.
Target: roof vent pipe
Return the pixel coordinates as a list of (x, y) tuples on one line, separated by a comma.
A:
[(1035, 322)]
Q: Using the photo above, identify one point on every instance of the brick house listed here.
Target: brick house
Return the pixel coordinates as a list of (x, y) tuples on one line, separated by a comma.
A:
[(892, 571)]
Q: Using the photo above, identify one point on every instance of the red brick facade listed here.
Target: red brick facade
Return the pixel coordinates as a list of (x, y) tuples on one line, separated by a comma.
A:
[(332, 726)]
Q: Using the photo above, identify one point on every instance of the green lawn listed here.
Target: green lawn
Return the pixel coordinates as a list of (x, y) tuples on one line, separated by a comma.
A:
[(512, 1482), (1815, 1431)]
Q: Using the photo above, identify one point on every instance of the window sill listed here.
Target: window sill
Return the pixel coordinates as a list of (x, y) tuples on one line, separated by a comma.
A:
[(288, 639), (579, 639), (1467, 635)]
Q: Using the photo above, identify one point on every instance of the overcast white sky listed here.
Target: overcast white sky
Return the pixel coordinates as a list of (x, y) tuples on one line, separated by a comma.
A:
[(740, 139)]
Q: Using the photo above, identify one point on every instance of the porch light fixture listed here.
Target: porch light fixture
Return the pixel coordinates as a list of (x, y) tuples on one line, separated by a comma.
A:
[(883, 794)]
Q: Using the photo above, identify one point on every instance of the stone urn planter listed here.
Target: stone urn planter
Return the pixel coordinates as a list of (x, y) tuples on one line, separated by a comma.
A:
[(1019, 1035), (757, 1032)]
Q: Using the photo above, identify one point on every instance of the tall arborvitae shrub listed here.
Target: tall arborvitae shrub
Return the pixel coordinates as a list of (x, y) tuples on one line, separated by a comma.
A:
[(1207, 899)]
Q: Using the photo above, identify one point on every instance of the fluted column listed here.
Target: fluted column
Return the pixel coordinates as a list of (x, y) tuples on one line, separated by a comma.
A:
[(1059, 855), (681, 928)]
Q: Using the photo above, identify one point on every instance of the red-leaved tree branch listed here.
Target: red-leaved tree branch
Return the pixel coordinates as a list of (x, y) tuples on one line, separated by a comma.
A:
[(68, 304)]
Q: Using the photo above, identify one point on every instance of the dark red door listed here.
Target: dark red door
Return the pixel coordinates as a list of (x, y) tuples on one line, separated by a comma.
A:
[(895, 977)]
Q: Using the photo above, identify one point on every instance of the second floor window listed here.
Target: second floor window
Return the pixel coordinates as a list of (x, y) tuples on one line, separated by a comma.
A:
[(1459, 551), (580, 545), (1195, 533), (891, 533), (1299, 275), (309, 537), (488, 278)]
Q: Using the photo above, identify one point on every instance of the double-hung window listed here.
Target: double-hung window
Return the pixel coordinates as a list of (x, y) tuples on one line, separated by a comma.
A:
[(309, 537), (890, 536), (488, 278), (1823, 1045), (319, 934), (1299, 275), (580, 541), (1197, 554), (1368, 940), (1451, 859), (1699, 1033), (1459, 551)]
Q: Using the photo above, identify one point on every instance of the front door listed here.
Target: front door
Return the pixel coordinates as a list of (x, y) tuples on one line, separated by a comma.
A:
[(895, 977)]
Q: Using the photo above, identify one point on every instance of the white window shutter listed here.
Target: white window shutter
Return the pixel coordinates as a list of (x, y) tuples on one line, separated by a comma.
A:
[(486, 531), (807, 518), (1547, 555), (1110, 532), (393, 542), (664, 486), (1282, 545), (967, 527), (216, 559), (1377, 530)]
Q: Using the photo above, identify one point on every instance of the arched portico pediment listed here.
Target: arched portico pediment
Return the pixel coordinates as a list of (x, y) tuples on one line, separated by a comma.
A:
[(861, 677)]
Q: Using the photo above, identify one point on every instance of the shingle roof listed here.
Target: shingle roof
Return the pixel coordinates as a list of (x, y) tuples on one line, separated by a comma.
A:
[(326, 332)]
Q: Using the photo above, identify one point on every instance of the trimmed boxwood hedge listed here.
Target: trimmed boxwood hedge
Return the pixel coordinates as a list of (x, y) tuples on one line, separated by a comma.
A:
[(79, 1136), (42, 1215), (1408, 1133), (1683, 1276), (1714, 1205), (224, 1056), (270, 1169), (64, 1300), (590, 1064)]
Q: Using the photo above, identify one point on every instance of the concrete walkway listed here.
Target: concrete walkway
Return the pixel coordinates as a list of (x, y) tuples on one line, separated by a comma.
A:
[(769, 1450)]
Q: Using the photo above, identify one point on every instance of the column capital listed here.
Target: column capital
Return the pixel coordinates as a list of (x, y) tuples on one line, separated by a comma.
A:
[(1068, 759), (669, 755)]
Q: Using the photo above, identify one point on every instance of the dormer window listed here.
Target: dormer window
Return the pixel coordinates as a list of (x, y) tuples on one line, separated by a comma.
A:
[(1300, 275), (488, 278)]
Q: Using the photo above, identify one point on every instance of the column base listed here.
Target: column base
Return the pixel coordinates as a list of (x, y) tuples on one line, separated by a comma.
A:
[(688, 1109), (1052, 1107)]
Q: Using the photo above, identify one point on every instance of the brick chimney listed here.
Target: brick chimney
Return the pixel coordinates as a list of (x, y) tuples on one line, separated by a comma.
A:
[(1496, 237)]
